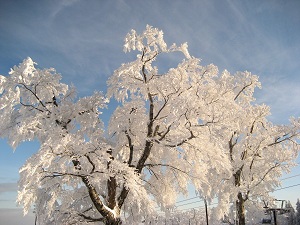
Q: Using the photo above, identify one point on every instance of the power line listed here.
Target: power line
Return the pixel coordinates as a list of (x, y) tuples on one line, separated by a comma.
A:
[(188, 203), (291, 177), (189, 199), (184, 200), (199, 207), (193, 207), (287, 187), (201, 200)]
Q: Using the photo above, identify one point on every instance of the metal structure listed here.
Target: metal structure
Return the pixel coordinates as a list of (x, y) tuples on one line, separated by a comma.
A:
[(275, 211)]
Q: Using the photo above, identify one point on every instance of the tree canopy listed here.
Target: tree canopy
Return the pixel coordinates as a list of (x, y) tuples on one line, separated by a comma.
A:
[(190, 125)]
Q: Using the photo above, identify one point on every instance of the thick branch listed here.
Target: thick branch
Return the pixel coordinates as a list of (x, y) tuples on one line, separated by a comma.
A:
[(122, 196), (237, 176), (96, 199), (130, 148), (111, 192), (93, 194), (111, 187), (148, 144), (231, 146)]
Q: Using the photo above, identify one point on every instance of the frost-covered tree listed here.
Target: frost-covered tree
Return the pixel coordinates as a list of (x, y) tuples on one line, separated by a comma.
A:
[(169, 131), (162, 136), (259, 152), (297, 212), (291, 215)]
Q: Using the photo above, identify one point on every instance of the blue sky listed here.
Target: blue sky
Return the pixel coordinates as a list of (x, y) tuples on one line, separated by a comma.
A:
[(83, 40)]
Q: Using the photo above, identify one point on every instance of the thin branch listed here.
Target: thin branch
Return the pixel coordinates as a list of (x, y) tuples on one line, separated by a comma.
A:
[(91, 219), (285, 137), (162, 136), (59, 174), (269, 170), (31, 106), (172, 167), (244, 88), (183, 141), (34, 94), (92, 163)]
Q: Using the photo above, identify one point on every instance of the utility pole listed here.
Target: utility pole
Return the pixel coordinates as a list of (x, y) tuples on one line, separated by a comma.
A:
[(274, 215), (206, 213)]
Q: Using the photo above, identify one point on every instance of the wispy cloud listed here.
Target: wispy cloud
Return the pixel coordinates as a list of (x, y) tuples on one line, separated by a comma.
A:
[(84, 41), (60, 5)]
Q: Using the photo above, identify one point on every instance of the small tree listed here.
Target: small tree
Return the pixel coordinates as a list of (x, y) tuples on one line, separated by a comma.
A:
[(291, 219), (259, 152), (298, 212)]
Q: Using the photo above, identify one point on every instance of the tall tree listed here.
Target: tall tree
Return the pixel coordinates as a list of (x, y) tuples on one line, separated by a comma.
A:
[(167, 132), (161, 141)]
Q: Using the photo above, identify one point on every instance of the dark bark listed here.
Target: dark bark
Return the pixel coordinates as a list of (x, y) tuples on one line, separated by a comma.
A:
[(111, 187), (148, 144), (96, 199), (240, 203), (108, 217), (113, 221), (122, 197), (111, 192), (240, 206)]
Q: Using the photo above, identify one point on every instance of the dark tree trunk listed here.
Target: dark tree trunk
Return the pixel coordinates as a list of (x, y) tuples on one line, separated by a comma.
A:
[(113, 221), (240, 203), (240, 206)]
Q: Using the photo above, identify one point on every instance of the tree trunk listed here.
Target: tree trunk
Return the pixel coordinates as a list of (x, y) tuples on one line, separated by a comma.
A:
[(240, 206), (113, 221)]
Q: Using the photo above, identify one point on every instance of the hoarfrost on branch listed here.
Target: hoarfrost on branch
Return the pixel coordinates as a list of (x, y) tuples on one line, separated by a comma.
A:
[(189, 125)]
